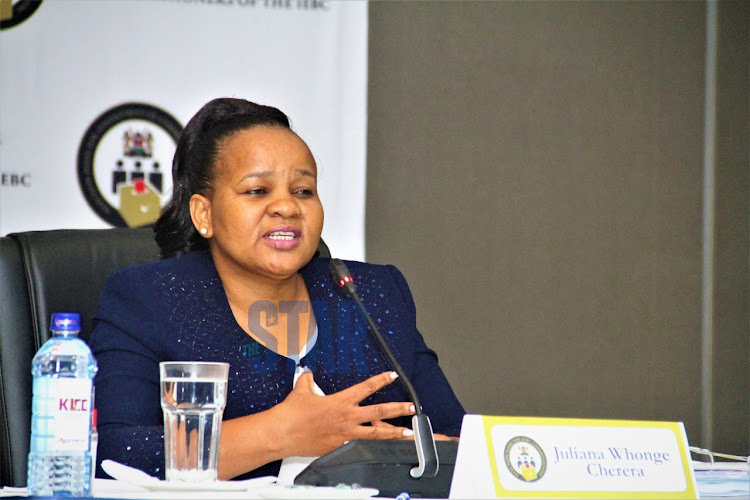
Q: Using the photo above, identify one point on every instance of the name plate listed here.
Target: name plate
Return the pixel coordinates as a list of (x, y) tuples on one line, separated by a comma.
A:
[(532, 457)]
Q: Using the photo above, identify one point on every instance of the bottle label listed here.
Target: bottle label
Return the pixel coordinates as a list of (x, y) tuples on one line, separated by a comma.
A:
[(62, 413)]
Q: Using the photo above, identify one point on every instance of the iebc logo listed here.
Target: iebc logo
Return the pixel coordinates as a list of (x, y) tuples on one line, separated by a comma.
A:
[(525, 459), (124, 163)]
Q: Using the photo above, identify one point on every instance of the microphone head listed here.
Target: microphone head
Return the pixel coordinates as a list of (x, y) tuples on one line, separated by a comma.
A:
[(341, 273)]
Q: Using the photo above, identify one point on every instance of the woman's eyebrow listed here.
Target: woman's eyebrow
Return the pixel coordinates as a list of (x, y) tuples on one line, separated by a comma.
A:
[(304, 172), (262, 173), (269, 173)]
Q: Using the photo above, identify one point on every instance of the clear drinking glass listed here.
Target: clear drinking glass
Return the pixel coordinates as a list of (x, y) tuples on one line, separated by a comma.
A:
[(193, 397)]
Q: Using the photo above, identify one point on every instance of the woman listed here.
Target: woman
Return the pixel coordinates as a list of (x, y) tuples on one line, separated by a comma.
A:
[(239, 284)]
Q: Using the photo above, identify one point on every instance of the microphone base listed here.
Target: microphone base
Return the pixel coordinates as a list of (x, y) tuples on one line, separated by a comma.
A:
[(384, 465)]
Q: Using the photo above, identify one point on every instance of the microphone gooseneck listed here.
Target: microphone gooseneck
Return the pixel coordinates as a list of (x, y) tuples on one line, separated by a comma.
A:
[(423, 436)]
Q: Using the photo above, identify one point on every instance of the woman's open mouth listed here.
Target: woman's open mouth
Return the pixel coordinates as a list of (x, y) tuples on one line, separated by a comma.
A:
[(284, 238)]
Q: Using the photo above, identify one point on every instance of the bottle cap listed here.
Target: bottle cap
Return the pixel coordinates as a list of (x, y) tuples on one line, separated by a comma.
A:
[(65, 322)]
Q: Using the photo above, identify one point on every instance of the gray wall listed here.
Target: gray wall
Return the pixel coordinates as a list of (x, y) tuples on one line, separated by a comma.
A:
[(536, 170)]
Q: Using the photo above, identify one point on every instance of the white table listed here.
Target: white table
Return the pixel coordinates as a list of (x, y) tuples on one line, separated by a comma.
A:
[(110, 488)]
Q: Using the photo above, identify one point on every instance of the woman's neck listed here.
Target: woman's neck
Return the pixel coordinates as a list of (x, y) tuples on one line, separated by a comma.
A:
[(244, 291), (276, 313)]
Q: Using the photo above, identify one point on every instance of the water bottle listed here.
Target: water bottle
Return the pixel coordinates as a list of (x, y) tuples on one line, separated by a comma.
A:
[(60, 448)]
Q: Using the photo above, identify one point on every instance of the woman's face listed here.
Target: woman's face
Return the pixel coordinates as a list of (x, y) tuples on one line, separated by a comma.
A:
[(264, 216)]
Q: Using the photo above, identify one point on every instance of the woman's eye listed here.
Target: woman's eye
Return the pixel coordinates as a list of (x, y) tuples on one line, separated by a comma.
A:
[(256, 191), (304, 192)]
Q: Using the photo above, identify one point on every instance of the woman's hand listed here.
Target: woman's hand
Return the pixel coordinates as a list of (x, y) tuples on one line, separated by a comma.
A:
[(307, 424), (312, 425)]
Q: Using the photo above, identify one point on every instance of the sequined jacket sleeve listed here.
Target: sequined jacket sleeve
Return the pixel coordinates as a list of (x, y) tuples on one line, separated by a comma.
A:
[(130, 321)]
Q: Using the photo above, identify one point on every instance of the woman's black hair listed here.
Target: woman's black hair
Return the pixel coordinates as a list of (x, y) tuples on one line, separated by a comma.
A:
[(193, 166)]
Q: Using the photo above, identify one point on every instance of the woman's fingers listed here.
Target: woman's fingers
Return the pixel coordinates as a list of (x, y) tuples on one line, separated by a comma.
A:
[(410, 433), (358, 392), (405, 432), (346, 402), (384, 411), (382, 431)]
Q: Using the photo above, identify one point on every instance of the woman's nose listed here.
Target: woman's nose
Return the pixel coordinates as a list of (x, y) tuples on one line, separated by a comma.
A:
[(283, 206)]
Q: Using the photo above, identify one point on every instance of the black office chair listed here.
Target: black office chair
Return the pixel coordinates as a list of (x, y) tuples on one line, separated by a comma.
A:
[(42, 272)]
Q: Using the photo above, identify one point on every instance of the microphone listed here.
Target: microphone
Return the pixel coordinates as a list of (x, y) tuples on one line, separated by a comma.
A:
[(423, 437)]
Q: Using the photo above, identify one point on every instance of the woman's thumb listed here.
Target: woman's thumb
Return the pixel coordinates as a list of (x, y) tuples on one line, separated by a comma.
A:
[(305, 382)]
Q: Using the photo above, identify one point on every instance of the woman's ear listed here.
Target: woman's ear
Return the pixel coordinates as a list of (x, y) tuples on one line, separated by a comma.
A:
[(200, 213)]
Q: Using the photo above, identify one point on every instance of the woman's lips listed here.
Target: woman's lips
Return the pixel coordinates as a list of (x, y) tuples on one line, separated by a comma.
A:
[(283, 237)]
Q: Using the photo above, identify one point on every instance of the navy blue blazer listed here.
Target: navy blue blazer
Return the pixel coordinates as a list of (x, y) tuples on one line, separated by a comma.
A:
[(177, 310)]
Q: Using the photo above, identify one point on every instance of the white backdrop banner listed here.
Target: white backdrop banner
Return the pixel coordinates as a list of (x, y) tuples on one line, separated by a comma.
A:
[(94, 93)]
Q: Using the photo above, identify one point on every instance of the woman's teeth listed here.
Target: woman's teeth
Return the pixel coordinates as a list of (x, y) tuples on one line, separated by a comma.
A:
[(282, 235)]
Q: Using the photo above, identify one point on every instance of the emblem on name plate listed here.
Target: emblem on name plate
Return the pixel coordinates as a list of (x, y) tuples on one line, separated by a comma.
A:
[(525, 459)]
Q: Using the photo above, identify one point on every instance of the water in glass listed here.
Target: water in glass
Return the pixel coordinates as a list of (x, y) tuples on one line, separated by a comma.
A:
[(193, 409)]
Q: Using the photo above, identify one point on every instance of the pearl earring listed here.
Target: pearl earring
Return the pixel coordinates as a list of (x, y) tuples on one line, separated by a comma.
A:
[(204, 231)]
